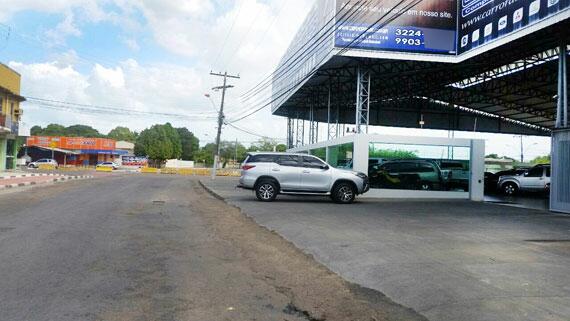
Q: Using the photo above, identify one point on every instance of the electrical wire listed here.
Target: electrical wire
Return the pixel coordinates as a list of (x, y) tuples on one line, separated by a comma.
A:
[(228, 34), (252, 133), (345, 48), (349, 16), (310, 43), (104, 110), (306, 52)]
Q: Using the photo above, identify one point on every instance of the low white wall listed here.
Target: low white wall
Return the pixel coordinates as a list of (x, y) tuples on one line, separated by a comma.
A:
[(175, 163), (413, 194), (360, 162)]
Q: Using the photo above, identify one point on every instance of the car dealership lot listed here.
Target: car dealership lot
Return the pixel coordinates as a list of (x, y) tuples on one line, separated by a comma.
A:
[(448, 260)]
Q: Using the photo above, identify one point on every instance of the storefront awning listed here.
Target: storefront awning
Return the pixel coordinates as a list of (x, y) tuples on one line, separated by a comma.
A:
[(65, 151)]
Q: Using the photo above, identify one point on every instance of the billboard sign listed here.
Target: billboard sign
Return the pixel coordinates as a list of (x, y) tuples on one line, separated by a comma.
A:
[(483, 21), (72, 143), (428, 27)]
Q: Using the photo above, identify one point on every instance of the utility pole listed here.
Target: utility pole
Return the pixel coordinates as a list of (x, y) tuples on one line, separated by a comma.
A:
[(522, 150), (220, 116)]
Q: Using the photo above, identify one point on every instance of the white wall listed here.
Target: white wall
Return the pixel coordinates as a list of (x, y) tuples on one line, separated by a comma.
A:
[(360, 162)]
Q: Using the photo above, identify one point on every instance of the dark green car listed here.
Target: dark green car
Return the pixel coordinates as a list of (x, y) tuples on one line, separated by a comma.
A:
[(414, 174)]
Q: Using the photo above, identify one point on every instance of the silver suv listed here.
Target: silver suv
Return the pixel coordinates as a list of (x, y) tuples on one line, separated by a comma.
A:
[(269, 174), (536, 179)]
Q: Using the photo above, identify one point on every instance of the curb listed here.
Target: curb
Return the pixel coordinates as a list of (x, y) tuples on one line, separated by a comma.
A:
[(28, 175), (59, 179), (211, 191)]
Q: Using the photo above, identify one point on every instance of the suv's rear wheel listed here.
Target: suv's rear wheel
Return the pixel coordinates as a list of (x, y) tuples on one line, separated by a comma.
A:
[(343, 193), (510, 189), (266, 191)]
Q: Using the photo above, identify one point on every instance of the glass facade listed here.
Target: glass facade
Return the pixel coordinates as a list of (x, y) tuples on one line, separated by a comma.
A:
[(340, 156), (319, 152), (419, 167)]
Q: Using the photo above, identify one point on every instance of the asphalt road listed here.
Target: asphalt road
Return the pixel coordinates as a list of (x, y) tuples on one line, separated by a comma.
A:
[(449, 260), (138, 247)]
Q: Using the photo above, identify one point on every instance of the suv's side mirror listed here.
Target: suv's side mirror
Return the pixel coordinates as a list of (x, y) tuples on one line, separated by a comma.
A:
[(525, 174), (325, 167)]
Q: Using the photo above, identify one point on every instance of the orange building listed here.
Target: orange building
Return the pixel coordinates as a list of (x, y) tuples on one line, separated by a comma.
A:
[(73, 150)]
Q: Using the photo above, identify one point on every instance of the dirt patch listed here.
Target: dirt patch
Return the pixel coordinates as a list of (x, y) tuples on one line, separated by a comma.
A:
[(313, 291)]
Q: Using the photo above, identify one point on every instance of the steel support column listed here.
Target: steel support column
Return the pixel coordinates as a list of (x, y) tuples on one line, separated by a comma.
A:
[(313, 126), (332, 127), (300, 134), (562, 108), (290, 132), (362, 100)]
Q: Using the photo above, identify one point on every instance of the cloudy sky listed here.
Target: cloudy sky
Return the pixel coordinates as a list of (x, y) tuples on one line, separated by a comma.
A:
[(156, 56)]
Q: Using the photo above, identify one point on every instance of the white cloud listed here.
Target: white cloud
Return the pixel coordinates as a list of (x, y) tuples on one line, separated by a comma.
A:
[(132, 44), (63, 30), (195, 29)]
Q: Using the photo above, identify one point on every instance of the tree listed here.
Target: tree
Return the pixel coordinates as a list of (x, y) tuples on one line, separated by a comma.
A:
[(190, 143), (281, 148), (493, 156), (263, 145), (122, 133), (81, 131), (541, 160), (228, 151), (159, 143), (50, 130), (206, 154), (392, 154), (71, 131), (36, 131)]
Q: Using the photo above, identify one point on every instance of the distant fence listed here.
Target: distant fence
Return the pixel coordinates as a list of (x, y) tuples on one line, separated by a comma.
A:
[(230, 172), (194, 171)]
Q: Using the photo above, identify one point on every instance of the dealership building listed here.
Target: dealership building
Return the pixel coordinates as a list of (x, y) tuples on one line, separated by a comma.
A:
[(456, 65)]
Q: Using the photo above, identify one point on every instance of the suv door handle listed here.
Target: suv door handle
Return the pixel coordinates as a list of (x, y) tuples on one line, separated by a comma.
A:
[(306, 171), (275, 169)]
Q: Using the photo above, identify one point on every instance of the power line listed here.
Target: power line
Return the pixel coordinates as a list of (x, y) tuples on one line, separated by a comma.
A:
[(287, 68), (252, 133), (236, 51), (95, 109), (310, 43), (270, 26), (347, 47), (229, 32)]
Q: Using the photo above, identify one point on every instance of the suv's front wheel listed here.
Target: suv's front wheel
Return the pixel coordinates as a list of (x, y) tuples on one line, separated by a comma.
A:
[(266, 191), (510, 189), (343, 193)]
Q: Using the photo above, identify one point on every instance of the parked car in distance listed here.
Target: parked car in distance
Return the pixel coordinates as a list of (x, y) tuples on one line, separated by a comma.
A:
[(457, 174), (108, 164), (491, 179), (536, 179), (43, 161), (415, 174), (270, 174)]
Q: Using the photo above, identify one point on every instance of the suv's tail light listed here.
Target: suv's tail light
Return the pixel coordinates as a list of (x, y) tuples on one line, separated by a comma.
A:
[(246, 167)]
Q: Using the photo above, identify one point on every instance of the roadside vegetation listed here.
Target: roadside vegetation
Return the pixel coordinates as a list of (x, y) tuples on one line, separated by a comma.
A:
[(163, 141)]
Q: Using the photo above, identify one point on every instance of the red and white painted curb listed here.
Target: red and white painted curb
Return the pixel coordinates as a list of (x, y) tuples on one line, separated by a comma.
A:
[(27, 175), (58, 179)]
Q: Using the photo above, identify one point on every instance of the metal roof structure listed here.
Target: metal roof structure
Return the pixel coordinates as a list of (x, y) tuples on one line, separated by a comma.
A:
[(511, 88)]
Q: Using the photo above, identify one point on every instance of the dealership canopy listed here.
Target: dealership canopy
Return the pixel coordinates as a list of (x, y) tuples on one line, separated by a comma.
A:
[(475, 65)]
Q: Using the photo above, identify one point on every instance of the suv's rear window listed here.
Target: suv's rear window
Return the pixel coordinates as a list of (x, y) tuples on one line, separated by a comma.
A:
[(262, 158)]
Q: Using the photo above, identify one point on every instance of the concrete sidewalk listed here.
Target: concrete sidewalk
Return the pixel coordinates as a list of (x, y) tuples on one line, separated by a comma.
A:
[(15, 181), (448, 260)]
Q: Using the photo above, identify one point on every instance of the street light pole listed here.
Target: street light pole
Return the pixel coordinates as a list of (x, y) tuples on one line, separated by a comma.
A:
[(220, 116)]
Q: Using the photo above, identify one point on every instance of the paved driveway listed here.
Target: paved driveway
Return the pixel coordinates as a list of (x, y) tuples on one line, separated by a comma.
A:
[(448, 260)]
